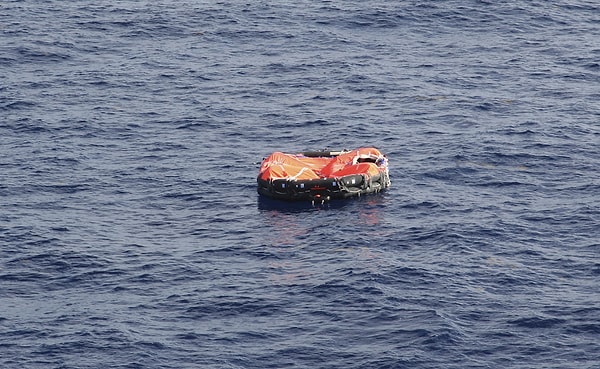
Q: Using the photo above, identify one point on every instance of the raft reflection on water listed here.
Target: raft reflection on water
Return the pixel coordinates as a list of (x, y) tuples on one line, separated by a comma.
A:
[(295, 227)]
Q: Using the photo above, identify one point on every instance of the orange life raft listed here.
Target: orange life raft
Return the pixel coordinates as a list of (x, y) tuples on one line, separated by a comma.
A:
[(323, 175)]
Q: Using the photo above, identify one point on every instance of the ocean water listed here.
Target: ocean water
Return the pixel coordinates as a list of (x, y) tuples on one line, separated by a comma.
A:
[(132, 236)]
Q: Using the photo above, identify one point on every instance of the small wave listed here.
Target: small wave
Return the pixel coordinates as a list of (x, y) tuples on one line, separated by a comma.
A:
[(537, 322), (43, 56), (18, 105), (61, 188)]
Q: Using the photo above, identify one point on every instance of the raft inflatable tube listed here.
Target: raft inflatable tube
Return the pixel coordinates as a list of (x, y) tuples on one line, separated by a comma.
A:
[(323, 175)]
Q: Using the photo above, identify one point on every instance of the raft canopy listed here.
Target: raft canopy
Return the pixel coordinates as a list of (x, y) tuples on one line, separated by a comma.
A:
[(323, 174)]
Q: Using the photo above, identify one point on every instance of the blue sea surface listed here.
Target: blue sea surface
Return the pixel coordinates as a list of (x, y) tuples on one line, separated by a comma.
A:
[(132, 235)]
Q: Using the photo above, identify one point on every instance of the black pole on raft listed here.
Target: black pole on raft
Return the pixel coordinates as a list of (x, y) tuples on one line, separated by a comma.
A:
[(319, 154)]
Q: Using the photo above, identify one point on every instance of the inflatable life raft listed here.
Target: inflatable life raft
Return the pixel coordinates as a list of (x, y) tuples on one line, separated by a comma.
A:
[(323, 175)]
